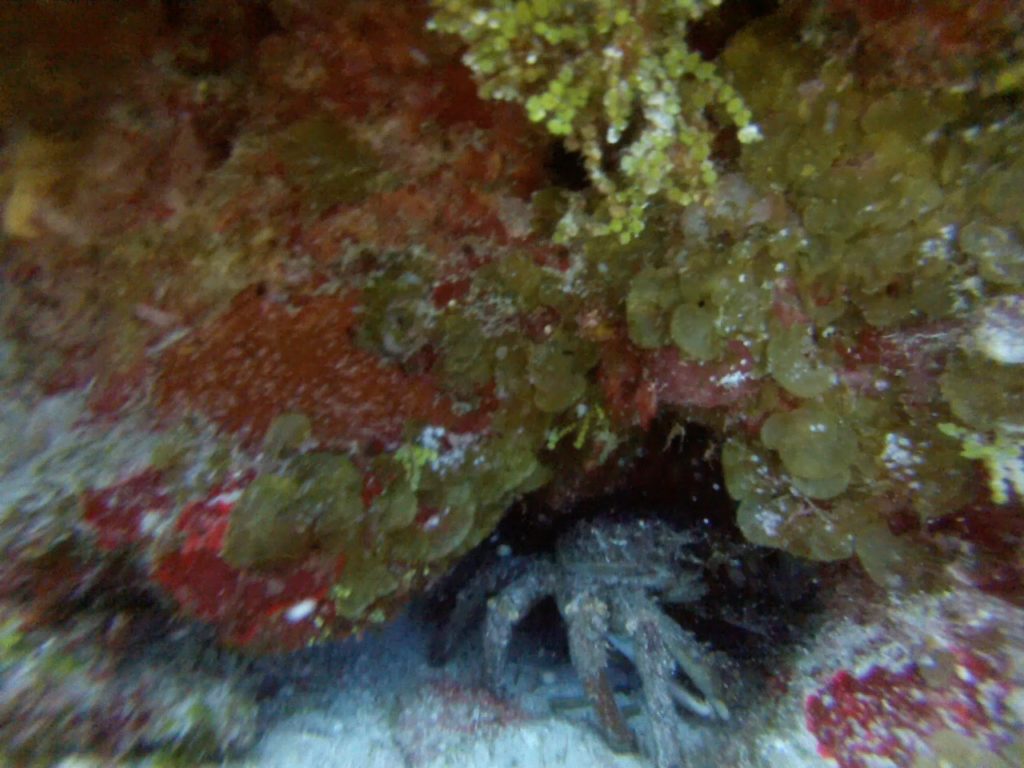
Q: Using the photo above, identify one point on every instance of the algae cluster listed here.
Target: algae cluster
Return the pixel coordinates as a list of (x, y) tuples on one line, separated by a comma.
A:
[(820, 266), (880, 248), (839, 302), (618, 82), (312, 507), (854, 268)]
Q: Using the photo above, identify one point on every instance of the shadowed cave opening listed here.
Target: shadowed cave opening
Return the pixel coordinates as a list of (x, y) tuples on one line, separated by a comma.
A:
[(759, 603)]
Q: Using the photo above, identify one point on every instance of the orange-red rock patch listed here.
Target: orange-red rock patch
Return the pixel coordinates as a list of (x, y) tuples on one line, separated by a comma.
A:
[(264, 358)]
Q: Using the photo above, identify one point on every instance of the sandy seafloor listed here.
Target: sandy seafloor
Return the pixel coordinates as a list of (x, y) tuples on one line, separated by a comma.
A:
[(377, 703)]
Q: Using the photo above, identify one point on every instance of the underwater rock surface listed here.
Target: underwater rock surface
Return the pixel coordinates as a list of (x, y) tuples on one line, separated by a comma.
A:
[(301, 301)]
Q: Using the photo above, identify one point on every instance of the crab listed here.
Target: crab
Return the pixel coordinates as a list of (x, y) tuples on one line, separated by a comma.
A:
[(610, 580)]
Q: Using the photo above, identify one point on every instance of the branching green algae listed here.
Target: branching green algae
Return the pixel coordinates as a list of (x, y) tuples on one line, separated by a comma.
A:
[(618, 83)]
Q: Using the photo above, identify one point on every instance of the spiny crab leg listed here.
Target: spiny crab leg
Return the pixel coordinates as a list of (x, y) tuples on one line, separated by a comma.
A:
[(586, 617), (656, 666), (686, 651), (709, 706), (471, 601), (507, 609), (682, 696)]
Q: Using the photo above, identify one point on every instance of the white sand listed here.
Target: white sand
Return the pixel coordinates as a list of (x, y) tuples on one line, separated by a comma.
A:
[(375, 703)]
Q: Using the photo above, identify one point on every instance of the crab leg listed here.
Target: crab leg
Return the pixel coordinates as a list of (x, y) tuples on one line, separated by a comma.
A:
[(471, 602), (507, 608), (655, 633), (686, 651), (682, 696), (586, 617)]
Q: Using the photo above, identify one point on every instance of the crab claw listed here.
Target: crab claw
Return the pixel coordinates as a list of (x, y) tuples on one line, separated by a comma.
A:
[(685, 650), (586, 616)]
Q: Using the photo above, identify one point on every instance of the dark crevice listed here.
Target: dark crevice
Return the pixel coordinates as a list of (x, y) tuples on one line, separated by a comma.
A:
[(710, 34), (758, 601), (566, 168)]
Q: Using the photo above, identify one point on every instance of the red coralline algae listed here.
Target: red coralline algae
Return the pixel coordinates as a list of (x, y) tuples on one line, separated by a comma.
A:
[(457, 156), (264, 358), (928, 41), (438, 213), (883, 716), (995, 533), (695, 384), (631, 397), (636, 382), (378, 59), (256, 609)]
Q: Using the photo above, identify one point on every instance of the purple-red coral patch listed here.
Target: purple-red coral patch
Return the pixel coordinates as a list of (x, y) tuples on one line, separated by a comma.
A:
[(883, 716)]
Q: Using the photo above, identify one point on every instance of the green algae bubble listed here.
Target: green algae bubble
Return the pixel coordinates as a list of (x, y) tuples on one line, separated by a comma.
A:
[(330, 501), (365, 580), (468, 355), (396, 507), (652, 294), (793, 361), (823, 487), (828, 535), (287, 433), (525, 279), (263, 531), (510, 467), (998, 250), (323, 157), (1001, 193), (892, 561), (812, 442), (761, 522), (744, 470), (878, 259), (692, 329), (552, 370), (282, 518), (439, 535), (170, 451), (981, 393), (791, 524)]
